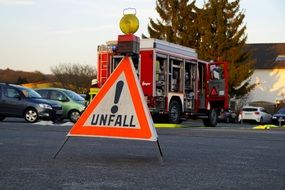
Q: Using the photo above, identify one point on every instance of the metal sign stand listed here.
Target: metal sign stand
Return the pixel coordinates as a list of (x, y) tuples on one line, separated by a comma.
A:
[(66, 139), (160, 152)]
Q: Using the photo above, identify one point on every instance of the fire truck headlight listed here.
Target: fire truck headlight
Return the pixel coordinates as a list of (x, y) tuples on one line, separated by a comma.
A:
[(158, 92)]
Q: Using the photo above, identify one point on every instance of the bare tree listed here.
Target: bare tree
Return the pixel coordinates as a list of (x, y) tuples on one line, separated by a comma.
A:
[(75, 77)]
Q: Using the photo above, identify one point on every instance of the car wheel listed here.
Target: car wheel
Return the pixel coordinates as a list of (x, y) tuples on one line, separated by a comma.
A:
[(31, 115), (2, 118), (261, 120), (174, 112), (74, 116)]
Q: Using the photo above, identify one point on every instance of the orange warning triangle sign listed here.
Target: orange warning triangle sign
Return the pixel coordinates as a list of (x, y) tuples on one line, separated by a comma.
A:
[(118, 110)]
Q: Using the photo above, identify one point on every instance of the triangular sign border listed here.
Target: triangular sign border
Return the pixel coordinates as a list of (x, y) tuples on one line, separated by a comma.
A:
[(146, 130)]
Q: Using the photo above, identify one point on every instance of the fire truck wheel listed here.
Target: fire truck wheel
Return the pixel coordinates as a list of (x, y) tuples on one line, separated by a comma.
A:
[(212, 119), (2, 118), (174, 112), (159, 118)]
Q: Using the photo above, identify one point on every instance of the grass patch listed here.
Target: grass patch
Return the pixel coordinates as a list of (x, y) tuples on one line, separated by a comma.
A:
[(264, 127), (168, 125)]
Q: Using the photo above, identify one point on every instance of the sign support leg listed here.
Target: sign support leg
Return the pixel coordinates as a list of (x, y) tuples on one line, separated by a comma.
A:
[(160, 152), (66, 139)]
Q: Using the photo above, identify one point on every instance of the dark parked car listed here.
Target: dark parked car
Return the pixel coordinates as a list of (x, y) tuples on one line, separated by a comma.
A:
[(228, 116), (19, 101), (279, 117)]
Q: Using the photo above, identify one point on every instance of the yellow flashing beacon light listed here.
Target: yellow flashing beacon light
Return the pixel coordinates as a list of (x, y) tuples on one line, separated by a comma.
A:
[(128, 43), (129, 23)]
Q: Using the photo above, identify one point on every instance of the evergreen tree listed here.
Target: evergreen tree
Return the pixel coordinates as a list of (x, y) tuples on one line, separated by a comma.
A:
[(216, 31), (223, 39), (177, 24)]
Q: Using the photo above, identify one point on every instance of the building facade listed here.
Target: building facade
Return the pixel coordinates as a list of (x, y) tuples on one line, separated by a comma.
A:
[(269, 73)]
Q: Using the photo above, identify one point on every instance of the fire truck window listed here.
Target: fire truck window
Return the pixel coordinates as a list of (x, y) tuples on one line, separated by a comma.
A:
[(116, 61), (216, 72), (135, 60)]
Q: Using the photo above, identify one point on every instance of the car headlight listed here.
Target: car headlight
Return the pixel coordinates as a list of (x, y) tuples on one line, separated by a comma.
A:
[(274, 117), (45, 106)]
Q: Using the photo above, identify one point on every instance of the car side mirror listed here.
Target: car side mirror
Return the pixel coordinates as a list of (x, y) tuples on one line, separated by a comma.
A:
[(62, 99), (17, 96)]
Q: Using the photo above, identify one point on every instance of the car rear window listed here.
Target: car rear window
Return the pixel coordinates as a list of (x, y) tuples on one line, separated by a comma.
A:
[(281, 111), (74, 96), (249, 109), (29, 93), (43, 93)]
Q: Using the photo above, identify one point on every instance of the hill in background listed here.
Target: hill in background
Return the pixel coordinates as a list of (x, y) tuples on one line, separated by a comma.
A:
[(22, 77)]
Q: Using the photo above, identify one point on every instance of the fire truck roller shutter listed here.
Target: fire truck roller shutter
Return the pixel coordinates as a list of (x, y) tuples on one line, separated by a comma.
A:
[(174, 112)]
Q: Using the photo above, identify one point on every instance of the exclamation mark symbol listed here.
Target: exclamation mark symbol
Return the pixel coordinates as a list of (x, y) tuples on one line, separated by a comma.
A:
[(119, 88)]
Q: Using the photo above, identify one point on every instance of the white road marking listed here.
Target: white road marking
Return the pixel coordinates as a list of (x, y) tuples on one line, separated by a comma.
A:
[(50, 123)]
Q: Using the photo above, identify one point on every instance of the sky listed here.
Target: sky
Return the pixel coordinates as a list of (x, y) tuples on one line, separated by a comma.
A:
[(36, 35)]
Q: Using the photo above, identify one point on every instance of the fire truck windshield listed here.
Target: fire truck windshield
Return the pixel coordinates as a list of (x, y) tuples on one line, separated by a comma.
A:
[(217, 72)]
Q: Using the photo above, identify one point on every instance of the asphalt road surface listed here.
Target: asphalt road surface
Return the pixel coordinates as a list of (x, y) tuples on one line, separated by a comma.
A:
[(226, 157)]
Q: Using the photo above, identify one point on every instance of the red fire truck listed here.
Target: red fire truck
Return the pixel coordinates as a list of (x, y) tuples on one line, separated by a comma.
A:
[(175, 82)]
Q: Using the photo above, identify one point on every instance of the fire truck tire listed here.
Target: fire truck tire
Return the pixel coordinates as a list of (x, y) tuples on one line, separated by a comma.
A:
[(2, 118), (159, 118), (174, 112), (212, 119)]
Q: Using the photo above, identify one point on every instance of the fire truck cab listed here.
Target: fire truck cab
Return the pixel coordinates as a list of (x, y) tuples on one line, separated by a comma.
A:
[(174, 81)]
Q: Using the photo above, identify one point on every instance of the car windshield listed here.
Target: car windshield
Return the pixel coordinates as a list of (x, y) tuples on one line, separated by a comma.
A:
[(249, 109), (74, 96), (281, 111), (30, 93)]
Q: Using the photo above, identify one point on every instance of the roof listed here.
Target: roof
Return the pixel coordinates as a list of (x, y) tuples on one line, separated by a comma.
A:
[(164, 46), (268, 55)]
